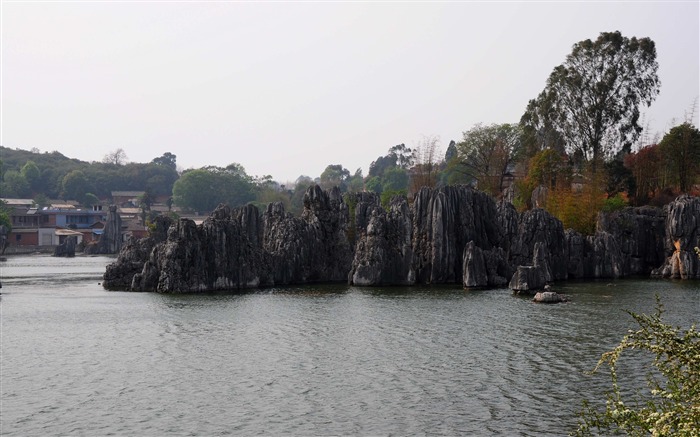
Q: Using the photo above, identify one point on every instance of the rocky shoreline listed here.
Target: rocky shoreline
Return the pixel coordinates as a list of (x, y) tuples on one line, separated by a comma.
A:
[(449, 235)]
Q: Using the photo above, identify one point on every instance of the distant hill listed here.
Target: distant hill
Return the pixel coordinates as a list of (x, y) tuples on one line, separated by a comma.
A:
[(97, 178)]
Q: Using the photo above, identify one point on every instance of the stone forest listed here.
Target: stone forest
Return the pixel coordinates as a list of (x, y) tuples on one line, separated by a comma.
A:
[(447, 235)]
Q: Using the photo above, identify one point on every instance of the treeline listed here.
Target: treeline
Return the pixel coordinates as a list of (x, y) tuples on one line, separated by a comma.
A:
[(571, 153), (42, 176)]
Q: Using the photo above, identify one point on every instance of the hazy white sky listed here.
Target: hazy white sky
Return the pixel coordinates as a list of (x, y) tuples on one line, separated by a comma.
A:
[(287, 88)]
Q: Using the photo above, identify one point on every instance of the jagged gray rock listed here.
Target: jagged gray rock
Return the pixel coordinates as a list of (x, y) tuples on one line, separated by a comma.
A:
[(538, 226), (603, 259), (444, 221), (682, 235), (538, 199), (384, 253), (217, 255), (639, 233), (120, 274), (67, 248), (448, 235), (485, 268), (238, 248), (527, 279), (314, 247)]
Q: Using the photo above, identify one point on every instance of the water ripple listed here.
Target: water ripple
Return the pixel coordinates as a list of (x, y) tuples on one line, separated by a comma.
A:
[(317, 360)]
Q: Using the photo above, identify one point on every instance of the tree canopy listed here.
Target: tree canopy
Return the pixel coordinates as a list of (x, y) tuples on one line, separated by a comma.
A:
[(681, 148), (592, 100), (203, 189), (486, 153)]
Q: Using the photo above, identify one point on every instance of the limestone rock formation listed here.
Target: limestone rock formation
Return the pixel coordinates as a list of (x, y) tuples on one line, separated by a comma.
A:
[(538, 199), (67, 248), (314, 247), (217, 255), (238, 248), (133, 256), (444, 221), (639, 233), (485, 268), (110, 241), (537, 226), (682, 235), (448, 235), (528, 279), (384, 253)]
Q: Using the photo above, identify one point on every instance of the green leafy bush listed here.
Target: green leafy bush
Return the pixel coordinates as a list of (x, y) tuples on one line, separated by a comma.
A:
[(615, 203)]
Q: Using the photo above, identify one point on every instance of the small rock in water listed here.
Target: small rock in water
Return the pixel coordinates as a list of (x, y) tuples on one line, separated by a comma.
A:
[(548, 297)]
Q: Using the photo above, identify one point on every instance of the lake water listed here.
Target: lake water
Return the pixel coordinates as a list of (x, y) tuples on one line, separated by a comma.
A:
[(312, 360)]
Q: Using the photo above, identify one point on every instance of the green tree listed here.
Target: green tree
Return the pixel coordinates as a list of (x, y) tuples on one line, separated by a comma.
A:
[(673, 404), (5, 216), (592, 100), (395, 180), (168, 159), (374, 184), (680, 148), (31, 174), (197, 190), (647, 169), (486, 154), (537, 127), (90, 200), (335, 176), (297, 201), (404, 155), (549, 168), (397, 156), (15, 185), (203, 189), (356, 182), (75, 186)]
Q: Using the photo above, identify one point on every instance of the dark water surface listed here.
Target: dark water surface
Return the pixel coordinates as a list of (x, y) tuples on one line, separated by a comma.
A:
[(312, 360)]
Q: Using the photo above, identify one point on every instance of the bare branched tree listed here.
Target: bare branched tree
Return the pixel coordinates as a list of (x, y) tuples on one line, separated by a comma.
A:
[(427, 156), (117, 157)]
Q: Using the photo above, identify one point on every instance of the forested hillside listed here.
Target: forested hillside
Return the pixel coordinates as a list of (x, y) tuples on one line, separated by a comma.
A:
[(28, 174)]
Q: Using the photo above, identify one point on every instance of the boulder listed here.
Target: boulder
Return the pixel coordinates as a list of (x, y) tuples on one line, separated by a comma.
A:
[(548, 297), (528, 279)]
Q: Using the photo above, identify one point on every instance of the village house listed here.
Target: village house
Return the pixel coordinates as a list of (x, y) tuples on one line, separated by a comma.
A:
[(50, 225)]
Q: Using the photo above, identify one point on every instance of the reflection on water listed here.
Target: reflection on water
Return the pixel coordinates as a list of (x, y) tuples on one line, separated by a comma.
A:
[(313, 360)]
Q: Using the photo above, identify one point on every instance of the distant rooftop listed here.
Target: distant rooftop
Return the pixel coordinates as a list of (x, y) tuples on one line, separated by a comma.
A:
[(17, 202), (127, 193)]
